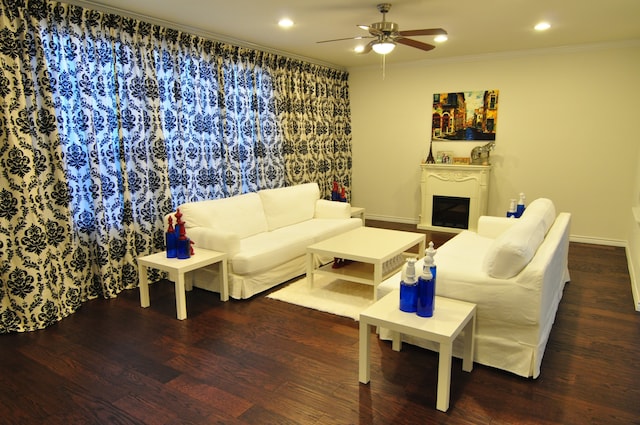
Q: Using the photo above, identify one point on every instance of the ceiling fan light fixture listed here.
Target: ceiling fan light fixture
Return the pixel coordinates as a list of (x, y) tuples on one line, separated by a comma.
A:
[(542, 26), (285, 23), (440, 38), (383, 47)]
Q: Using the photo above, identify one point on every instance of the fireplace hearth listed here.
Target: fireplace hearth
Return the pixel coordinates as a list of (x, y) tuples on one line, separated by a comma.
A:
[(453, 196)]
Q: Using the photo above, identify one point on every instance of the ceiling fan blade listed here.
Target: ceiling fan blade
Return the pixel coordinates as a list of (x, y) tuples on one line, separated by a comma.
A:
[(373, 31), (368, 47), (413, 43), (360, 37), (429, 31)]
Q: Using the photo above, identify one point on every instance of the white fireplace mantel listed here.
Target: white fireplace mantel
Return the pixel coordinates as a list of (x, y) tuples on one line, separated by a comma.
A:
[(463, 181)]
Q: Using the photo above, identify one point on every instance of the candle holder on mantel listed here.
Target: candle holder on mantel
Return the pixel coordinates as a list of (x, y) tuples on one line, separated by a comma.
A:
[(430, 159)]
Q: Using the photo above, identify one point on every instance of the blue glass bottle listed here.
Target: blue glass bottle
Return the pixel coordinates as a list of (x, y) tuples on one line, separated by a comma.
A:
[(426, 294), (184, 248), (512, 209), (409, 287), (171, 240), (427, 285), (172, 251), (520, 207)]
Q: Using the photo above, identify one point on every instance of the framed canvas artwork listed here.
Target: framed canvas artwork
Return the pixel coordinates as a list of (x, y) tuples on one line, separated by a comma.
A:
[(465, 116)]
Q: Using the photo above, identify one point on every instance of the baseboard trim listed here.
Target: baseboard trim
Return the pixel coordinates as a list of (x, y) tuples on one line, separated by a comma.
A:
[(597, 241), (635, 285), (573, 238), (403, 220)]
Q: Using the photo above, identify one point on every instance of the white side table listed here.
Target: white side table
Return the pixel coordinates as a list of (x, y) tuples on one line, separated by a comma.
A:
[(358, 212), (449, 319), (177, 269)]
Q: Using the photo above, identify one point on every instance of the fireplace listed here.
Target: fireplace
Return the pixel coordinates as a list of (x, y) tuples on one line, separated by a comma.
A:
[(453, 196), (450, 211)]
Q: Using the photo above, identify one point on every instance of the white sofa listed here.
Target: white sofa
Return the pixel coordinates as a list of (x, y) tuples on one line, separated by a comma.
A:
[(514, 270), (265, 234)]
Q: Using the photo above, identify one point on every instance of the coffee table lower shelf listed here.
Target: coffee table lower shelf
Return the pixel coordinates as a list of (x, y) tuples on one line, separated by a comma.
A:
[(354, 272)]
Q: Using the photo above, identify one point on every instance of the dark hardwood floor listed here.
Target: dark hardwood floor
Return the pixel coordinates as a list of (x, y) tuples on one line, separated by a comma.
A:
[(262, 361)]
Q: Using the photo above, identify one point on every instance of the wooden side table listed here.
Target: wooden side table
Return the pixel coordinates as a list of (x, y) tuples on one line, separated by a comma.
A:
[(177, 269), (449, 319)]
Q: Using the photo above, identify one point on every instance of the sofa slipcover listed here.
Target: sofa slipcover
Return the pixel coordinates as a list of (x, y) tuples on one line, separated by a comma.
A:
[(264, 233), (514, 270)]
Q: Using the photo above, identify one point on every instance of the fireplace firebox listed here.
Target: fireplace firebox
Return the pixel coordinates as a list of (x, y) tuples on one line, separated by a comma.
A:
[(450, 211)]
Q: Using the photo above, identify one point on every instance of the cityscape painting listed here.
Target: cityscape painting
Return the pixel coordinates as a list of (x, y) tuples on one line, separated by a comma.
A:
[(465, 116)]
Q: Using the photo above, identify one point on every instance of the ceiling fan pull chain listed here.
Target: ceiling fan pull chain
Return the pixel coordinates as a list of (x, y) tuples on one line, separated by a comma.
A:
[(384, 67)]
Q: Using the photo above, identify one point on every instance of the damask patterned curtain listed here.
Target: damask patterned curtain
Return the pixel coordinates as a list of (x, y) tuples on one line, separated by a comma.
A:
[(108, 123), (315, 118)]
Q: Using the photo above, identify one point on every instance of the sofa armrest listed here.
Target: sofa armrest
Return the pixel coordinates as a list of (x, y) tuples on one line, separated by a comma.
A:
[(492, 227), (332, 209), (215, 240)]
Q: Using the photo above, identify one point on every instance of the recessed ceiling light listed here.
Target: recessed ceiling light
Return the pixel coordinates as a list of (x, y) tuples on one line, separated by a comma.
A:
[(359, 49), (542, 26), (440, 38), (285, 23)]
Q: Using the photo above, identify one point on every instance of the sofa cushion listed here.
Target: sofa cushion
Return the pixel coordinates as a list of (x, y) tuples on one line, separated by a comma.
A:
[(242, 214), (271, 249), (267, 250), (319, 229), (289, 205), (541, 209), (514, 248), (332, 209)]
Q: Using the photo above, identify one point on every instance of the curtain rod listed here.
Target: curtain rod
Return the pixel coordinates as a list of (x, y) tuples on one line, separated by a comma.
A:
[(197, 31)]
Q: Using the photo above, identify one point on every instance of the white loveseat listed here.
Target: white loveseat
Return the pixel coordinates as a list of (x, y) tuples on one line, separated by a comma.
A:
[(265, 234), (514, 270)]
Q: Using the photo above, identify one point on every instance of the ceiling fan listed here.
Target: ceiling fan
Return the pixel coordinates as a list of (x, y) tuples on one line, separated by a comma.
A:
[(386, 34)]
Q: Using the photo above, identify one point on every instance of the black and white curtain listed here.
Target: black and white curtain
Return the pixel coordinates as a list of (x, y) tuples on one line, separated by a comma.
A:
[(107, 123)]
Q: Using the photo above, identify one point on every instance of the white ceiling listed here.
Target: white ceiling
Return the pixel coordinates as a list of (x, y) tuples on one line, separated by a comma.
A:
[(475, 26)]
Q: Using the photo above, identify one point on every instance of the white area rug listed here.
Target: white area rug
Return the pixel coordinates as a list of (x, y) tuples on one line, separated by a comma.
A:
[(330, 295)]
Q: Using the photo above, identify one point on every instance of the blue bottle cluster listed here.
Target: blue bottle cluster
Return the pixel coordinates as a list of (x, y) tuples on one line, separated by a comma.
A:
[(516, 210), (337, 194), (177, 243), (418, 295)]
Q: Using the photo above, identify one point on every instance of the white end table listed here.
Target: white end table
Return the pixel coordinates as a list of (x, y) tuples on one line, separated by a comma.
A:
[(449, 319), (177, 269), (358, 212)]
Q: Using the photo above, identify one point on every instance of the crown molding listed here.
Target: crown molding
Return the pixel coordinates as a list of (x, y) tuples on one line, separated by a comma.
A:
[(483, 57)]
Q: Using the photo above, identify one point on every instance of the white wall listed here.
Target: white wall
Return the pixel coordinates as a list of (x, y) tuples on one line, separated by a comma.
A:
[(633, 250), (567, 129)]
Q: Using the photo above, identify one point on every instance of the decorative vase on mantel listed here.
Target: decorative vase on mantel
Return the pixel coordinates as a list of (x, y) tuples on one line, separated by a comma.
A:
[(430, 159)]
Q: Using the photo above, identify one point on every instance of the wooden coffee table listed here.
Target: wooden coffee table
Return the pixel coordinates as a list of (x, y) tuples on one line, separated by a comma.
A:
[(450, 318), (367, 249)]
